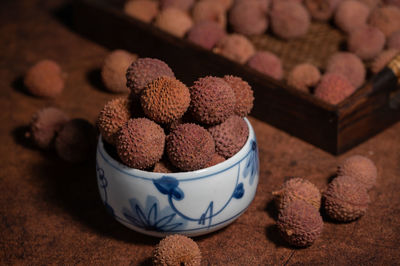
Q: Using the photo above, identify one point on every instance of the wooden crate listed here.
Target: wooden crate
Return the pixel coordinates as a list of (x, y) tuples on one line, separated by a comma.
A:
[(335, 129)]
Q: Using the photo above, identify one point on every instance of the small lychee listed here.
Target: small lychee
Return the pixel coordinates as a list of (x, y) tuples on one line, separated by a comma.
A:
[(361, 168), (300, 223), (345, 199), (297, 189)]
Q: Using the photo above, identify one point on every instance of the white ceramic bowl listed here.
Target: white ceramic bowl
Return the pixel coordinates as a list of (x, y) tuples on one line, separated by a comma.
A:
[(189, 203)]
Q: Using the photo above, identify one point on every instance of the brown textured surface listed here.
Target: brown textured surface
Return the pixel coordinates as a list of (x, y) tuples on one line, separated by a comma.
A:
[(51, 212)]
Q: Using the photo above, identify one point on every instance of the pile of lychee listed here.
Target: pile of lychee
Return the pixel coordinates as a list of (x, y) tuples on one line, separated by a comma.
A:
[(346, 199), (371, 27), (74, 140), (165, 126), (50, 127)]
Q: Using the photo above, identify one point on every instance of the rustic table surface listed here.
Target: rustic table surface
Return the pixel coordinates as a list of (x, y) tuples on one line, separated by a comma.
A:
[(51, 211)]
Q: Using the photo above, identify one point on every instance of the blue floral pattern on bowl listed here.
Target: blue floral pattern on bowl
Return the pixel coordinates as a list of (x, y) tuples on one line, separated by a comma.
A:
[(190, 203), (151, 217)]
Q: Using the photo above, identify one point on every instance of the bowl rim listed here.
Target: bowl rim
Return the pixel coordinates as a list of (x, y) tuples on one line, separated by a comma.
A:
[(181, 176)]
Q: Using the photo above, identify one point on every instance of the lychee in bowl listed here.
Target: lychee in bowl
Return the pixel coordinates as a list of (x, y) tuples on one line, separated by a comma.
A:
[(189, 203)]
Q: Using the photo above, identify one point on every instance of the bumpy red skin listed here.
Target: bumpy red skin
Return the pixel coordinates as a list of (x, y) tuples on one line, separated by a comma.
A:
[(351, 15), (112, 117), (334, 88), (45, 124), (304, 76), (366, 42), (235, 47), (289, 19), (44, 79), (190, 147), (209, 10), (361, 168), (267, 63), (174, 21), (345, 199), (140, 143), (215, 159), (321, 10), (297, 189), (165, 100), (145, 70), (248, 18), (206, 34), (76, 141), (212, 100), (394, 41), (176, 250), (114, 70), (348, 65), (243, 93), (387, 19), (300, 223), (229, 136), (164, 166)]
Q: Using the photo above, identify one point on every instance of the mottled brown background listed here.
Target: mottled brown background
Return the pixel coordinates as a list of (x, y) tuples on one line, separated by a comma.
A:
[(51, 212)]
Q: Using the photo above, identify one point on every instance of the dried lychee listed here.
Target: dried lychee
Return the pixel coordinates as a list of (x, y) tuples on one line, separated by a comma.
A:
[(333, 88), (289, 19), (297, 189), (212, 100), (76, 141), (45, 125), (165, 100), (215, 159), (366, 42), (176, 250), (174, 21), (248, 18), (321, 10), (348, 65), (164, 166), (243, 93), (387, 19), (206, 34), (112, 117), (361, 168), (140, 143), (229, 136), (345, 199), (44, 79), (235, 47), (209, 10), (304, 76), (267, 63), (145, 70), (351, 15), (300, 223), (113, 71), (190, 147)]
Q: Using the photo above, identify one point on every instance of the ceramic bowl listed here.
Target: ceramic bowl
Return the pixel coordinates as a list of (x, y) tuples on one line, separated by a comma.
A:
[(189, 203)]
